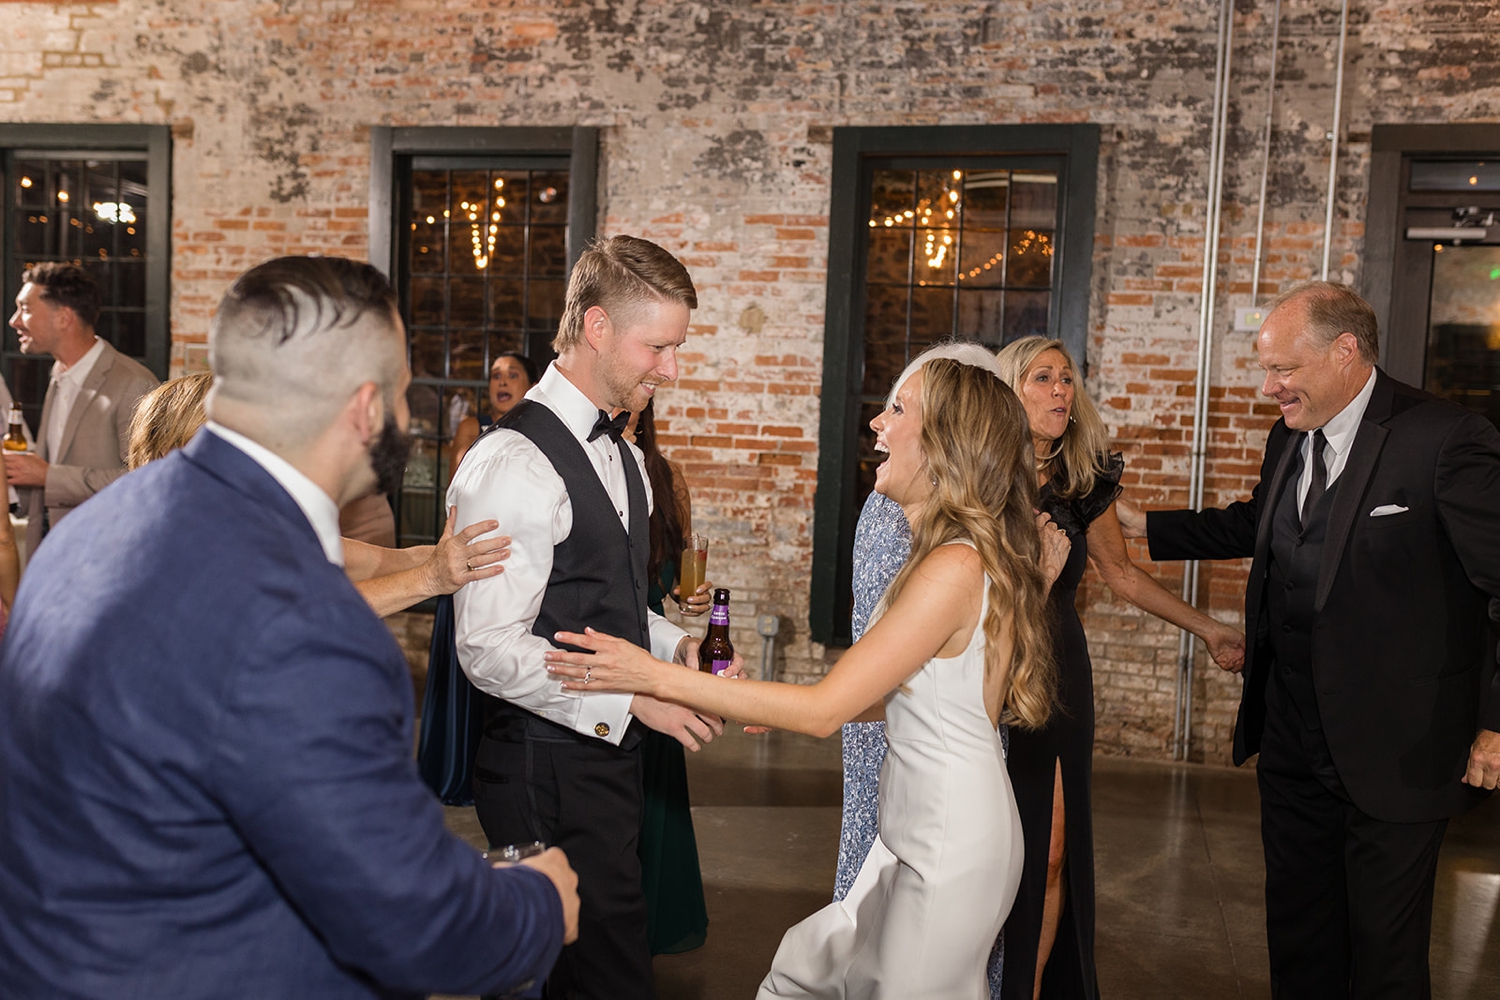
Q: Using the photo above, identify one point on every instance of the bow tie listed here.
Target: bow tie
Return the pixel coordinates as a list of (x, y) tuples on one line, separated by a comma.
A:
[(613, 426)]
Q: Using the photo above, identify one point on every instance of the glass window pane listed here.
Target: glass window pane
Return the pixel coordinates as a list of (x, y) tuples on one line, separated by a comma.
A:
[(986, 196), (549, 198), (130, 333), (549, 251), (34, 233), (428, 243), (885, 312), (466, 302), (982, 261), (1463, 344), (931, 315), (892, 197), (884, 360), (428, 354), (889, 257), (466, 354), (31, 184), (1455, 175), (132, 234), (130, 286), (1030, 263), (424, 401), (502, 343), (545, 304), (1033, 200), (937, 256), (427, 302), (1026, 314), (506, 309), (980, 315)]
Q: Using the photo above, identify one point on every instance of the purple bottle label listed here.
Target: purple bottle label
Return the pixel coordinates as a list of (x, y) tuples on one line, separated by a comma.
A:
[(719, 666), (719, 615)]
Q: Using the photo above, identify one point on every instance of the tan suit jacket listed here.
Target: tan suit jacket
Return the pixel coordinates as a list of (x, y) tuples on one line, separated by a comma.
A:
[(91, 454)]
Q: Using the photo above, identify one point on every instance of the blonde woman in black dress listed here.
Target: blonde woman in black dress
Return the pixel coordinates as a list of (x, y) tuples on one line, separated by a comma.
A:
[(1049, 936)]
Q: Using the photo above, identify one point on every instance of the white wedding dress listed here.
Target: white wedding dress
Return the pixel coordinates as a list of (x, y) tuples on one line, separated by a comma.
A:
[(936, 887)]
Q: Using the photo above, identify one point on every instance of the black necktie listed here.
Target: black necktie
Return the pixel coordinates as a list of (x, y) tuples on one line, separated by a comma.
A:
[(1319, 484), (613, 426)]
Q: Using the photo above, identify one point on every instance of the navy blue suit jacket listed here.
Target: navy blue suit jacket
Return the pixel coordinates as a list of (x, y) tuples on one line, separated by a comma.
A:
[(206, 777)]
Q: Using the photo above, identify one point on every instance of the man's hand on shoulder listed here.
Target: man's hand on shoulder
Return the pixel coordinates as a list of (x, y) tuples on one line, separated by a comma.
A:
[(687, 727), (1132, 519), (1484, 761), (25, 469), (553, 863)]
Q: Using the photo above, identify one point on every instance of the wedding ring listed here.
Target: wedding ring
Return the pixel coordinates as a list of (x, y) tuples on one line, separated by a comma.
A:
[(588, 674), (469, 563)]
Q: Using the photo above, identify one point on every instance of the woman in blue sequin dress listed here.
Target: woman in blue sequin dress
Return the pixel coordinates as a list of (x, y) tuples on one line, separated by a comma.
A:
[(882, 542)]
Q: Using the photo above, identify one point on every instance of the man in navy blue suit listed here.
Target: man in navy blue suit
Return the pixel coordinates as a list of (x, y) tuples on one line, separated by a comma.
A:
[(206, 780)]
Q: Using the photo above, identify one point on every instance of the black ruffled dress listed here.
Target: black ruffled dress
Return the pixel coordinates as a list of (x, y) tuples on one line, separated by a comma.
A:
[(1068, 737)]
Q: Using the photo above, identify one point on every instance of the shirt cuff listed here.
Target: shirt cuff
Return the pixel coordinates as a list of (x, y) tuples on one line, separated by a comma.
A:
[(664, 637)]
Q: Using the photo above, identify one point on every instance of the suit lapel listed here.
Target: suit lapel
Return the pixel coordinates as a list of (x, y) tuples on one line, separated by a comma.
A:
[(86, 394), (43, 445), (1352, 483)]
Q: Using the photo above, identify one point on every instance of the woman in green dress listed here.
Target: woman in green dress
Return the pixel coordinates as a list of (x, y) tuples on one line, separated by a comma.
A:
[(676, 914)]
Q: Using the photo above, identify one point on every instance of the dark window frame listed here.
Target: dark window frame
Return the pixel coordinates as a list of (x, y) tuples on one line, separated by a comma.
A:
[(1402, 312), (854, 149), (396, 151), (155, 141)]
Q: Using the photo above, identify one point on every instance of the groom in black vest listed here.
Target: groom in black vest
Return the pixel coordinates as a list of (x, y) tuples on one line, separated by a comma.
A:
[(554, 766), (1369, 676)]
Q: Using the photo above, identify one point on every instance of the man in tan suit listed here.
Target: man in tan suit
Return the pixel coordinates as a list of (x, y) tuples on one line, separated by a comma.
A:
[(85, 426)]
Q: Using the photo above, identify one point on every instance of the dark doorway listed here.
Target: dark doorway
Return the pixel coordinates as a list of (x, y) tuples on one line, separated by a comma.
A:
[(1433, 272)]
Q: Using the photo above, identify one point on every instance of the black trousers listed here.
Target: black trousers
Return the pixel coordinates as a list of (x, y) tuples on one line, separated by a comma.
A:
[(583, 796), (1348, 896)]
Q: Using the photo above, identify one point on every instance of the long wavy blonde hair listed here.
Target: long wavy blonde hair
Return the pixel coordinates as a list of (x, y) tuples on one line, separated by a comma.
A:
[(1082, 453), (976, 444)]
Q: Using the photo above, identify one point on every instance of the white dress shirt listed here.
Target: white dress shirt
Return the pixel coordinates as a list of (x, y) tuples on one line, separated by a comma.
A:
[(322, 513), (1339, 434), (506, 477), (69, 380)]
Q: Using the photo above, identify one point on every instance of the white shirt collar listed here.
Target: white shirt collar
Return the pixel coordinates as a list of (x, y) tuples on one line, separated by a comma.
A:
[(78, 370), (322, 513), (566, 400), (1339, 431)]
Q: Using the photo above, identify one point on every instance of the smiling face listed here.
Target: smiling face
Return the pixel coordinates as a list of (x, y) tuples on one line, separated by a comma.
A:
[(639, 353), (37, 322), (898, 434), (508, 383), (1047, 393), (1310, 383)]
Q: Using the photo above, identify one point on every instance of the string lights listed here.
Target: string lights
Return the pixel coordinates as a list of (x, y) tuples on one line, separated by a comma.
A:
[(938, 214)]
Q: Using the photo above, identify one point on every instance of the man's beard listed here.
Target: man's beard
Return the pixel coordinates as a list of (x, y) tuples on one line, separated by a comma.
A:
[(388, 456)]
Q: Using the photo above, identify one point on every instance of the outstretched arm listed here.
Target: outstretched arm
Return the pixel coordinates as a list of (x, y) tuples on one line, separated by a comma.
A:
[(935, 613), (436, 569), (1109, 556)]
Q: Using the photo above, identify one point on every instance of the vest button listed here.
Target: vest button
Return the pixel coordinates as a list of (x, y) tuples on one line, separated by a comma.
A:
[(1289, 585), (601, 729), (1284, 628)]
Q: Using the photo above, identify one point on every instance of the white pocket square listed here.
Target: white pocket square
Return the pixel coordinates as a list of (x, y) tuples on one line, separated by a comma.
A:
[(1388, 508)]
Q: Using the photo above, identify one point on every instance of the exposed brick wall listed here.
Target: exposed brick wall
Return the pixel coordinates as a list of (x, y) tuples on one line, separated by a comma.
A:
[(716, 122)]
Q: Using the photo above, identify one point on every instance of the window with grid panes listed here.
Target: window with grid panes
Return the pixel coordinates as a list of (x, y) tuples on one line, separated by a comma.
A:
[(71, 197), (979, 233), (484, 271)]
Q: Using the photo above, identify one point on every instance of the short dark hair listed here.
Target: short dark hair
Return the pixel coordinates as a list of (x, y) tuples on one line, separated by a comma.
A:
[(267, 296), (1331, 309), (66, 285), (616, 274)]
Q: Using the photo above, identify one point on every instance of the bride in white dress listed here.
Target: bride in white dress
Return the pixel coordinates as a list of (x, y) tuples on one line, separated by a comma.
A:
[(962, 643)]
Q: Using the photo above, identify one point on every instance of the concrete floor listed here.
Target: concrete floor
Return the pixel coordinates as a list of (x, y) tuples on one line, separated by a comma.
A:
[(1178, 864)]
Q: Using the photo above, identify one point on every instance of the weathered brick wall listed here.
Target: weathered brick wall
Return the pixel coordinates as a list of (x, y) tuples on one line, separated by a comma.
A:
[(717, 122)]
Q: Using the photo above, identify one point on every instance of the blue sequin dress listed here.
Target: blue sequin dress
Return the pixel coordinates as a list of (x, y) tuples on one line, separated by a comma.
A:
[(882, 542)]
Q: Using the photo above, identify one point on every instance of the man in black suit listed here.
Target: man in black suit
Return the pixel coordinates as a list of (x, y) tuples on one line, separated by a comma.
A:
[(1369, 688)]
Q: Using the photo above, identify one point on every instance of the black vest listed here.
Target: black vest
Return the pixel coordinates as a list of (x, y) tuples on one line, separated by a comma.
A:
[(599, 571), (1291, 592)]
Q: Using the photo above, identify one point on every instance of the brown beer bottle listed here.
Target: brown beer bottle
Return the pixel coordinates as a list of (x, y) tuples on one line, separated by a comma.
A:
[(716, 652), (15, 437)]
